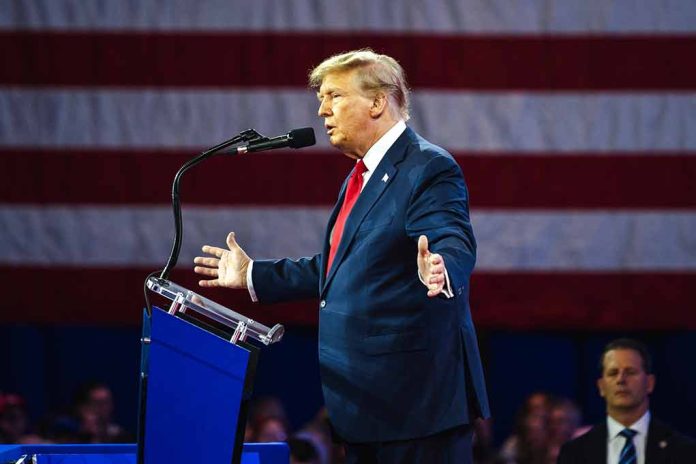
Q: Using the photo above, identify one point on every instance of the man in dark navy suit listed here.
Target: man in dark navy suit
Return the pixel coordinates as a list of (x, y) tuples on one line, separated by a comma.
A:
[(399, 360), (629, 435)]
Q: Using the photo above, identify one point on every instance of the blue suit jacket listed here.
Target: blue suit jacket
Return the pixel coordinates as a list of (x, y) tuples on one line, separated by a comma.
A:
[(394, 363)]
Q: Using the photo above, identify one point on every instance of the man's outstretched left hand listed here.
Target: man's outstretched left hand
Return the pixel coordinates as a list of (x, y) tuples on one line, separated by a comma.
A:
[(431, 268)]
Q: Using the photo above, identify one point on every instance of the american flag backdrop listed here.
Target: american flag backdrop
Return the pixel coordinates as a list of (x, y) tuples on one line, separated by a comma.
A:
[(574, 123)]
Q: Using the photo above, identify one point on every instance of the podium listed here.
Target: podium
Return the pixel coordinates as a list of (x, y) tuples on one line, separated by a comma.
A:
[(197, 369)]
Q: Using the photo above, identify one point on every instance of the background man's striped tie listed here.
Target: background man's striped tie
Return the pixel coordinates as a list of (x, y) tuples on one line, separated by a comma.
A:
[(628, 453)]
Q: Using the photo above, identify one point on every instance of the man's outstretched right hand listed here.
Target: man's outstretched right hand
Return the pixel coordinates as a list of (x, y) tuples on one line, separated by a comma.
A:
[(227, 268)]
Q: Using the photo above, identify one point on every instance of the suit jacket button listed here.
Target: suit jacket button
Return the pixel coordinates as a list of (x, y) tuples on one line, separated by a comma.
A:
[(322, 304)]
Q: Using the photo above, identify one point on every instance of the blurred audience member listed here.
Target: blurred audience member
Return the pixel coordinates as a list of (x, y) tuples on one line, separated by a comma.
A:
[(94, 407), (331, 450), (482, 444), (322, 444), (538, 403), (267, 406), (248, 432), (271, 429), (60, 429), (564, 421), (14, 421), (303, 451), (267, 421), (529, 443), (629, 433)]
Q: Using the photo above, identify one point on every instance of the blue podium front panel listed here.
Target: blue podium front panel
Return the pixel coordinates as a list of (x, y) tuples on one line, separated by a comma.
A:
[(194, 392), (69, 454), (254, 453)]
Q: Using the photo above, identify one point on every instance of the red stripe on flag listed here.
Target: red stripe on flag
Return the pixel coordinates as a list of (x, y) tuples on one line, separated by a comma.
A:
[(505, 180), (626, 301), (481, 62)]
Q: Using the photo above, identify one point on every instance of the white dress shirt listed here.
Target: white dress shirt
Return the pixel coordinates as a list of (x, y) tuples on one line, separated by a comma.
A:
[(616, 442), (377, 151), (371, 160)]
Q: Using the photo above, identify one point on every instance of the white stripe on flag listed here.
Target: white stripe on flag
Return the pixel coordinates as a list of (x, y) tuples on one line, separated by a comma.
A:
[(440, 16), (496, 121), (581, 240), (514, 241)]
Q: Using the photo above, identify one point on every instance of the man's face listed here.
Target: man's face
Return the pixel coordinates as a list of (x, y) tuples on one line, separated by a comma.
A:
[(624, 383), (563, 421), (101, 403), (346, 113)]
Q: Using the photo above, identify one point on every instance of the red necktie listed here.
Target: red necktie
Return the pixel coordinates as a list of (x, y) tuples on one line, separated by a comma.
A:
[(352, 191)]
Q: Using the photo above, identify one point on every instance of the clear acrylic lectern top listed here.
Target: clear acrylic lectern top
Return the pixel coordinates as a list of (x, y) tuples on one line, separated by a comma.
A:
[(183, 299)]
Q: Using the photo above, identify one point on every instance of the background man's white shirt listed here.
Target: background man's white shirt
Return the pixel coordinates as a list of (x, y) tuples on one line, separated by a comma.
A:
[(615, 442)]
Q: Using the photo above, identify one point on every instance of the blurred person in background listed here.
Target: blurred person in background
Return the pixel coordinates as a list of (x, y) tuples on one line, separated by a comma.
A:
[(482, 445), (60, 428), (319, 430), (539, 403), (303, 451), (564, 422), (320, 443), (267, 406), (14, 421), (629, 434), (267, 421), (529, 442), (94, 407), (270, 429)]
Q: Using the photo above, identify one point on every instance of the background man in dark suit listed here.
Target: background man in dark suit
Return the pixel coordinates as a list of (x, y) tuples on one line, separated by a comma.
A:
[(629, 435), (400, 367)]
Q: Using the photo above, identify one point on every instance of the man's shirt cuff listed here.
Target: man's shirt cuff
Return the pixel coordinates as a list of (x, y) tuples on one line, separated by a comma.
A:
[(446, 289), (250, 283)]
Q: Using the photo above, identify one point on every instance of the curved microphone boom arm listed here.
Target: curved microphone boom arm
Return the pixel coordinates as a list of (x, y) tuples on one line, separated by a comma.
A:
[(249, 135), (251, 141)]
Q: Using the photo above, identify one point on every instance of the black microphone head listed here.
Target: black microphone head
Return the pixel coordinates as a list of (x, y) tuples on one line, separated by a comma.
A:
[(302, 137)]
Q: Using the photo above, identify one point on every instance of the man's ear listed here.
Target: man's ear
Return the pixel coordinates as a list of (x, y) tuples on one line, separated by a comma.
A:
[(379, 105), (651, 383)]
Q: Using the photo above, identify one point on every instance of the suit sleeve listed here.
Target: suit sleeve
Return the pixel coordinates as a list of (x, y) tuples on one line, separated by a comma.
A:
[(286, 279), (439, 209), (565, 456)]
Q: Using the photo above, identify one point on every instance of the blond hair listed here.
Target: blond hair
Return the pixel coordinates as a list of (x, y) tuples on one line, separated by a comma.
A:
[(375, 73)]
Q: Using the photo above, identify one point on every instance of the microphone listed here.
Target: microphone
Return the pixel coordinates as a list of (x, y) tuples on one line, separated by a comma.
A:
[(296, 138)]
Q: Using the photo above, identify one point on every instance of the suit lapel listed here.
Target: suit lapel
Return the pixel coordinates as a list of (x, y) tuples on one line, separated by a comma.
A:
[(656, 443), (598, 451), (379, 181)]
